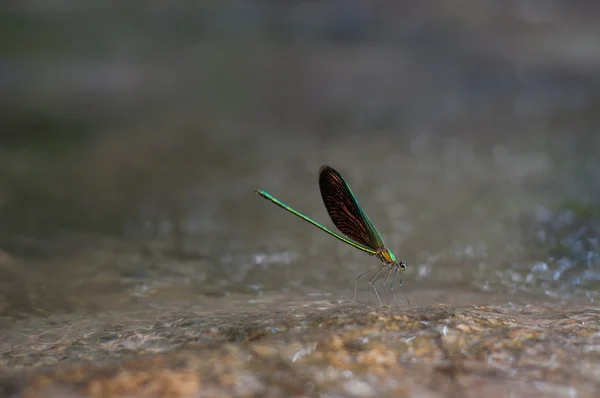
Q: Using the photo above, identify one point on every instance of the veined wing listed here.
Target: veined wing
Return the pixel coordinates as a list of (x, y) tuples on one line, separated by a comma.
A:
[(344, 210)]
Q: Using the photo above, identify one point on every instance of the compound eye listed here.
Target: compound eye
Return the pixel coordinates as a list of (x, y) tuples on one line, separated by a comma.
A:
[(403, 264)]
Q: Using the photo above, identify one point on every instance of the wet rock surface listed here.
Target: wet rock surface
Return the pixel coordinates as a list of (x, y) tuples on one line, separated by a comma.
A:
[(136, 260), (274, 347)]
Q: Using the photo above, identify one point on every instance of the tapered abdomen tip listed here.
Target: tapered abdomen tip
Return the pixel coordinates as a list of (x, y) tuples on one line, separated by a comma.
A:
[(262, 193)]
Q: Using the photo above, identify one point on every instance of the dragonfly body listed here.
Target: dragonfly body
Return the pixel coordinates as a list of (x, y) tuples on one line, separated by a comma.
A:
[(386, 255), (357, 229)]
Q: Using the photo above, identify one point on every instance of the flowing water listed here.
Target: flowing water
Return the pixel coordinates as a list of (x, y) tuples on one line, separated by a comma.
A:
[(496, 220)]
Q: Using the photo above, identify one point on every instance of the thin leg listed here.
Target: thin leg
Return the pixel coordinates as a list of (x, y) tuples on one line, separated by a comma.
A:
[(392, 285), (375, 279), (405, 295), (387, 300), (372, 284), (359, 276)]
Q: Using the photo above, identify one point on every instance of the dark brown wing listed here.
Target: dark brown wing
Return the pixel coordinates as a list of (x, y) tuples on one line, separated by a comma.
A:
[(344, 210)]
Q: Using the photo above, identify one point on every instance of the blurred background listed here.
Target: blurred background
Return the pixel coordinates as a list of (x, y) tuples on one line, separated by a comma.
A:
[(132, 140)]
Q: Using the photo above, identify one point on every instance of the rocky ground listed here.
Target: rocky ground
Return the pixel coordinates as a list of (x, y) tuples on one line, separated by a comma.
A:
[(316, 348)]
